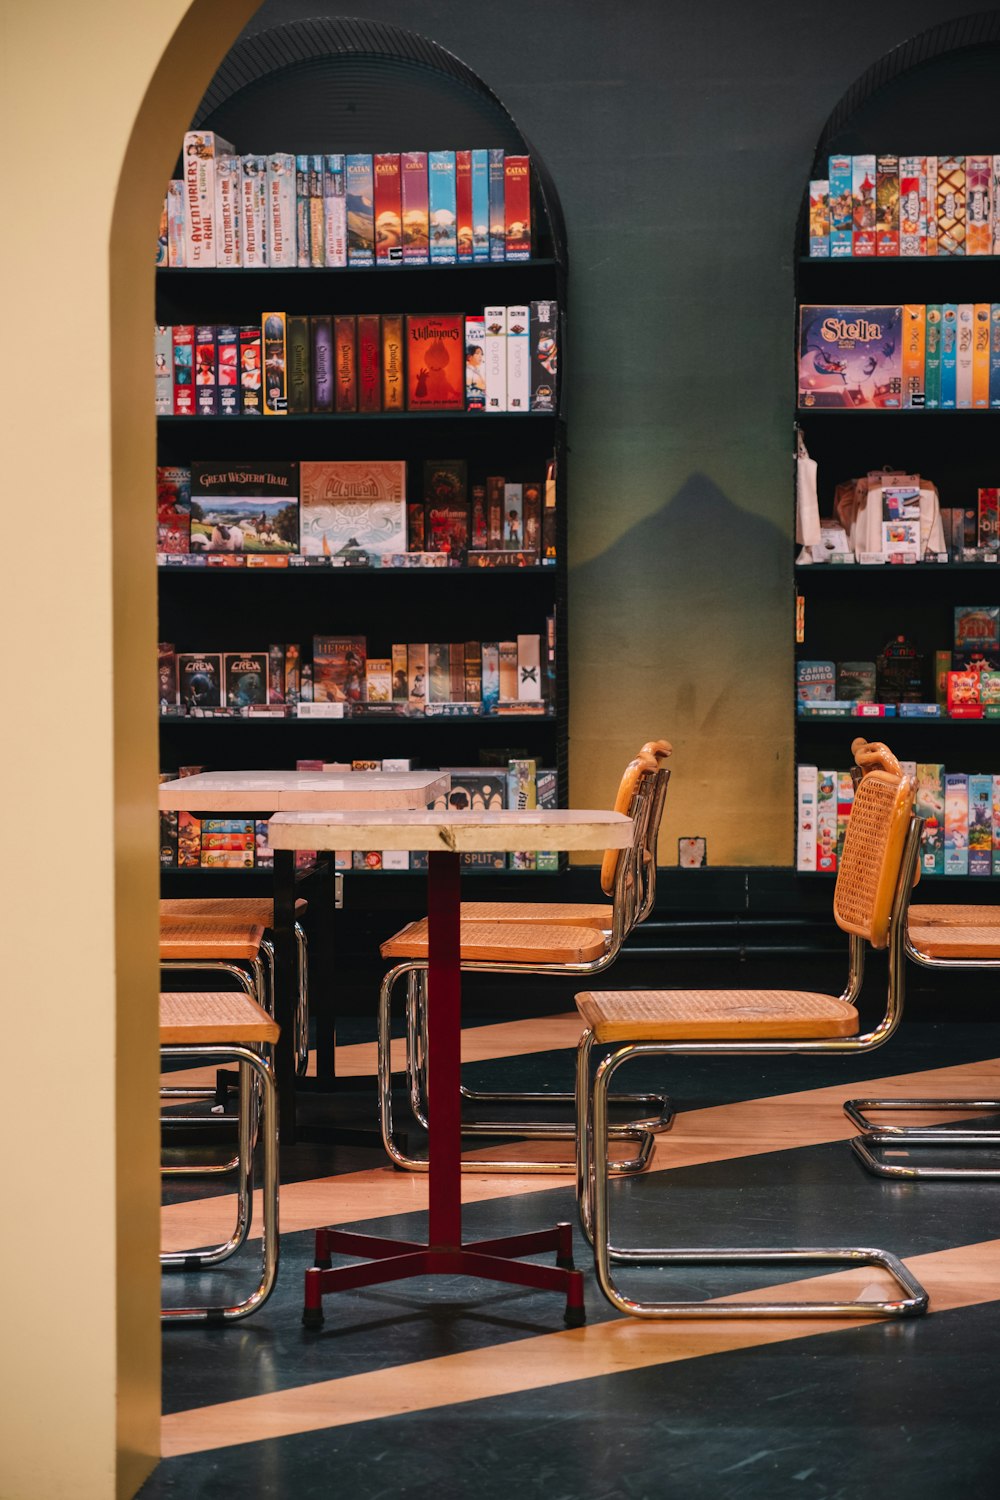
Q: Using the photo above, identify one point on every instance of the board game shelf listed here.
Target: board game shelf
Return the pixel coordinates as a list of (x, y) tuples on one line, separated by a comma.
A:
[(302, 109)]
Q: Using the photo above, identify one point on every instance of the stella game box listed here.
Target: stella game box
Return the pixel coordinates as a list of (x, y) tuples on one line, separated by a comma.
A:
[(850, 357)]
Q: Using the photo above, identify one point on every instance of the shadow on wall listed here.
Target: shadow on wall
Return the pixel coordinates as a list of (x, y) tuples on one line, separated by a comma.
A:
[(678, 629)]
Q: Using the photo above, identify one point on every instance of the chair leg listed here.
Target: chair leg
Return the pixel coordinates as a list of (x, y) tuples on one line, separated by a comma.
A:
[(639, 1131), (416, 1077), (302, 1004), (256, 1078), (874, 1138), (200, 1260), (911, 1303)]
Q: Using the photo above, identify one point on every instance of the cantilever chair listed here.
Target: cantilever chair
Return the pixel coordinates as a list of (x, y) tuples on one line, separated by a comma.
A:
[(938, 937), (870, 901), (559, 945), (230, 1026)]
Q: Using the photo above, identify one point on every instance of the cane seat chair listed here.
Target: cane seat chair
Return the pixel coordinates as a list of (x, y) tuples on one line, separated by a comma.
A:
[(555, 947), (259, 911), (942, 938), (229, 1026), (870, 899)]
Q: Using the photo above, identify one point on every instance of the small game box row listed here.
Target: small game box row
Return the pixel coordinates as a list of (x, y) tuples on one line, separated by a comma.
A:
[(869, 205)]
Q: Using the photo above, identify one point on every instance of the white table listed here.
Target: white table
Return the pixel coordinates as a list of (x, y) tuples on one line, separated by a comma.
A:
[(266, 792), (445, 836)]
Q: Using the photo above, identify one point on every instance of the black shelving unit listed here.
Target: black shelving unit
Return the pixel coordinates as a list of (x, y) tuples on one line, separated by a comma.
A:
[(347, 86), (852, 612)]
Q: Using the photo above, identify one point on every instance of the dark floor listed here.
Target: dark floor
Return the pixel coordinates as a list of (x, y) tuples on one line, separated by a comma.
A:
[(894, 1410)]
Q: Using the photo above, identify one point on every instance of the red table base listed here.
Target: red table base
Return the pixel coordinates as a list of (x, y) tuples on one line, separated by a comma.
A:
[(445, 1254), (488, 1259)]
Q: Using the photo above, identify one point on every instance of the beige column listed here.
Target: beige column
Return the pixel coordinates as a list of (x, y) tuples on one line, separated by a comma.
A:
[(94, 100)]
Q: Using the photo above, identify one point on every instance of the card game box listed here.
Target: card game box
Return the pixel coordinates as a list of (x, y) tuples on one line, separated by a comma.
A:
[(929, 805), (360, 210), (480, 205), (819, 219), (352, 504), (912, 206), (498, 223), (435, 359), (227, 370), (475, 361), (205, 359), (544, 337), (956, 823), (334, 210), (850, 357), (815, 681), (518, 359), (299, 363), (388, 209), (840, 178), (378, 679), (951, 205), (517, 207), (463, 205), (251, 376), (201, 149), (281, 211), (442, 207), (415, 221), (183, 367), (495, 357), (245, 677), (199, 679), (887, 205), (167, 674), (345, 362), (275, 374), (188, 840), (163, 368), (393, 384)]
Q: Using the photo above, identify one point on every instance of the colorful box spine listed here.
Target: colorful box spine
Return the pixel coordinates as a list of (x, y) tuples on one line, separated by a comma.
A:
[(163, 367), (963, 356), (388, 209), (845, 802), (345, 344), (839, 177), (981, 355), (544, 335), (496, 190), (929, 805), (228, 195), (302, 212), (205, 371), (807, 781), (978, 216), (463, 205), (183, 363), (321, 371), (980, 825), (517, 207), (956, 823), (912, 206), (495, 349), (227, 345), (253, 211), (275, 354), (176, 243), (951, 205), (932, 356), (360, 210), (494, 510), (826, 821), (393, 374), (995, 203), (480, 205), (369, 363), (529, 670), (988, 509), (251, 370), (914, 326), (416, 671), (819, 219), (317, 213), (281, 210), (415, 221), (949, 355), (491, 676), (513, 518), (442, 206), (887, 205), (334, 211), (863, 205), (930, 195), (994, 356), (518, 358), (299, 377)]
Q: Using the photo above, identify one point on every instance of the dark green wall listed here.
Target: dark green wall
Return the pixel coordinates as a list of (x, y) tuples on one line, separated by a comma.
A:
[(680, 138)]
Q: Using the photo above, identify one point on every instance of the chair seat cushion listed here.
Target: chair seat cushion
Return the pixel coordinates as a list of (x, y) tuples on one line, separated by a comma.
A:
[(192, 1019), (506, 942), (960, 932), (714, 1015), (190, 938), (254, 909), (561, 913)]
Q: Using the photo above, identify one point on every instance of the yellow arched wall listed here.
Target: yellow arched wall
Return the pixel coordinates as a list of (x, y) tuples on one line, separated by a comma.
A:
[(94, 99)]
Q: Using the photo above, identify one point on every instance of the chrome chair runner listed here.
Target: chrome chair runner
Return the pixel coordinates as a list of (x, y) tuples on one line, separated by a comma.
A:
[(870, 902), (944, 939), (633, 892), (224, 1025)]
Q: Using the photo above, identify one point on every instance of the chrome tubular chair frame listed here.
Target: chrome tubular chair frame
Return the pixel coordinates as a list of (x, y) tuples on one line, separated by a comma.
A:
[(251, 1067), (876, 1137), (635, 891), (592, 1144)]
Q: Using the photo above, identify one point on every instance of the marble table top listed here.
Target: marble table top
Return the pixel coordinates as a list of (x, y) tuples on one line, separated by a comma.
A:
[(302, 791), (451, 831)]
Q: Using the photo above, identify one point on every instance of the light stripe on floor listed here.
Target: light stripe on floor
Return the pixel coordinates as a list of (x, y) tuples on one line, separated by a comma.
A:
[(724, 1132), (955, 1278)]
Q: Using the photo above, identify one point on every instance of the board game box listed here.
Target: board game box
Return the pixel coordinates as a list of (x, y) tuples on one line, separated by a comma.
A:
[(850, 357), (360, 210), (339, 668), (245, 678), (349, 506), (236, 509), (388, 209), (435, 349), (199, 679), (334, 210), (416, 230)]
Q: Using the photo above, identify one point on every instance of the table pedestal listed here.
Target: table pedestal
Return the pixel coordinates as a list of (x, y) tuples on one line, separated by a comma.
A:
[(444, 1253)]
